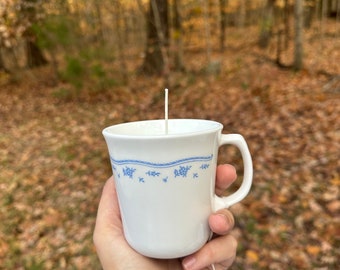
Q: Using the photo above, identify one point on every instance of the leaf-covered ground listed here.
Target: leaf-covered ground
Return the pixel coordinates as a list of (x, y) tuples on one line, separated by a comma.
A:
[(54, 162)]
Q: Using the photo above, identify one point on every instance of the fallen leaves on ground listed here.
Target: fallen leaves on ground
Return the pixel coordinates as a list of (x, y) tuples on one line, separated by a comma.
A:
[(53, 159)]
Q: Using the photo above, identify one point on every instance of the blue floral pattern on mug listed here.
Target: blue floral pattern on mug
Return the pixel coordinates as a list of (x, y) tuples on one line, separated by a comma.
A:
[(141, 171)]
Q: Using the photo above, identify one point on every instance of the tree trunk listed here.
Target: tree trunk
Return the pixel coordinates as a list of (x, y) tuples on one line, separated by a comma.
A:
[(157, 39), (178, 51), (120, 44), (298, 52), (100, 25), (267, 24), (35, 57), (279, 47), (30, 10), (207, 30), (337, 19), (309, 12), (242, 14), (322, 19), (2, 63), (223, 23), (286, 24)]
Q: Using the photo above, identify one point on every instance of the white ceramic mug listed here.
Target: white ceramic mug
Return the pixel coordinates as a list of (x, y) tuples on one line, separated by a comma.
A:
[(165, 182)]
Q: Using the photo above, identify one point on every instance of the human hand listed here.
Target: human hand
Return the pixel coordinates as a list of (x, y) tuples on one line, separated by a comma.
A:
[(115, 253)]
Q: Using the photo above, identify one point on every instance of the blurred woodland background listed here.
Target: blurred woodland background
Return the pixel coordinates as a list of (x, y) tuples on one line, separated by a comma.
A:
[(267, 69)]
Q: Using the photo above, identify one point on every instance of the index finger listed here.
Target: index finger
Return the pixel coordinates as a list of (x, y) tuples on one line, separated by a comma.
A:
[(225, 176)]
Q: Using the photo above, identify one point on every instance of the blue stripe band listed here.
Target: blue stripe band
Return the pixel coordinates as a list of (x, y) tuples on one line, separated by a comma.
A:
[(161, 165)]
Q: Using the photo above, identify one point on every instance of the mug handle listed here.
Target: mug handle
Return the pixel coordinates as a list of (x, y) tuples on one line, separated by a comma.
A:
[(238, 141)]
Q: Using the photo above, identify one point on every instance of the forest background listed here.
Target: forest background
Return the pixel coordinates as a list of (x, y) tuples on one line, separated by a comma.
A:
[(267, 69)]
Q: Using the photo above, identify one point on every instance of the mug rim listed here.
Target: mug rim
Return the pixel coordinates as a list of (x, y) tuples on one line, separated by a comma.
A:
[(214, 126)]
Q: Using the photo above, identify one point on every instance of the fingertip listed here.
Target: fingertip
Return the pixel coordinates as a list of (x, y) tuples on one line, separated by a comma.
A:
[(221, 222), (189, 262), (228, 172), (225, 176)]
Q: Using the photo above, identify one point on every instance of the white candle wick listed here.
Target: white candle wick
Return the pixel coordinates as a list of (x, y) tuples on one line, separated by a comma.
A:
[(166, 109)]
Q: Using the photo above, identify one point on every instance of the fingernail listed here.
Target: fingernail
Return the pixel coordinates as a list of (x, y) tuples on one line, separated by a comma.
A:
[(189, 262), (223, 220), (223, 223)]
